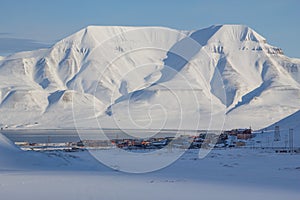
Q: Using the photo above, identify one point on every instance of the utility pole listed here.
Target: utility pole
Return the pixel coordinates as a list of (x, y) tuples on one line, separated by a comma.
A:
[(291, 140), (277, 134), (286, 141)]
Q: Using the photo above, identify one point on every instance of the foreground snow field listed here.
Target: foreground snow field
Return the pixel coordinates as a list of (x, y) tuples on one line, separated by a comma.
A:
[(222, 174)]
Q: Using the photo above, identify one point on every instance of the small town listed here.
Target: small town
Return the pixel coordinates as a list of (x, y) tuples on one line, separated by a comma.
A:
[(203, 139)]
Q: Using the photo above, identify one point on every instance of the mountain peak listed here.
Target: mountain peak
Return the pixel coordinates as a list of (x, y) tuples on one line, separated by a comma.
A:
[(243, 32), (228, 33)]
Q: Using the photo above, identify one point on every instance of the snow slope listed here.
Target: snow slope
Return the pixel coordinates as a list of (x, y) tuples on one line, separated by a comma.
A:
[(7, 145), (151, 77), (289, 122), (12, 158)]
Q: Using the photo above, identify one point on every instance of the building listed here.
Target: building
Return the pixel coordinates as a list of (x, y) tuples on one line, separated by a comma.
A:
[(241, 134)]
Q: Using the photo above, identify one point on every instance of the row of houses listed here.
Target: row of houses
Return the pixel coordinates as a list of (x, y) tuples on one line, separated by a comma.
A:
[(232, 138), (241, 134)]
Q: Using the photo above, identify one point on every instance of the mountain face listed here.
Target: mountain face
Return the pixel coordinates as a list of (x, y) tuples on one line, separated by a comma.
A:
[(224, 76)]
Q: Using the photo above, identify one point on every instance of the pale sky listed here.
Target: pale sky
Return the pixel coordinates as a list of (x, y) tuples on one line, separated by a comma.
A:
[(31, 24)]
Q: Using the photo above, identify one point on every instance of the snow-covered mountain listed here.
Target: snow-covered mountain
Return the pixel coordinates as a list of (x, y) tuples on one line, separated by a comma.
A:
[(151, 77)]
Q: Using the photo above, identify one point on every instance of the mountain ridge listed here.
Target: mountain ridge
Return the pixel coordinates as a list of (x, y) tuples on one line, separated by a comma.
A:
[(98, 70)]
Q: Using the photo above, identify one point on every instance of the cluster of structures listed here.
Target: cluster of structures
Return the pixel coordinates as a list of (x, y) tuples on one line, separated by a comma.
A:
[(241, 134), (203, 139)]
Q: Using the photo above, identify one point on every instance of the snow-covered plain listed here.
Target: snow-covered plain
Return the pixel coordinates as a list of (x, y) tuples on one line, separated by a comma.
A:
[(222, 174)]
